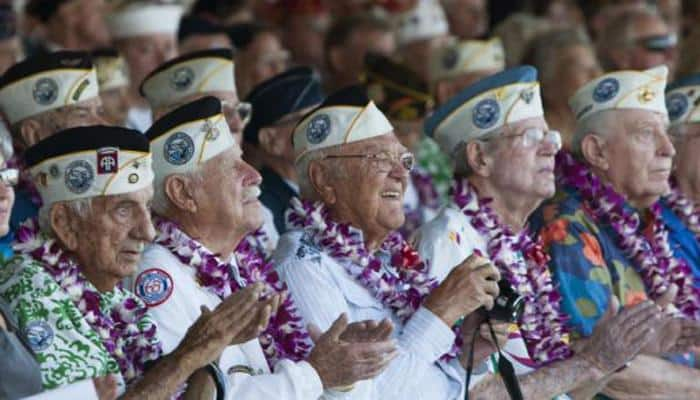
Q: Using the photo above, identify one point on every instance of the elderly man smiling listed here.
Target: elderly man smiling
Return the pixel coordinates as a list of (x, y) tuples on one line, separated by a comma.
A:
[(342, 254), (96, 183), (504, 159), (206, 196), (605, 233)]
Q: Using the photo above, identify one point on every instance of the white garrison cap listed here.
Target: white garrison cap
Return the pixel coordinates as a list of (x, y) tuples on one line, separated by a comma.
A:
[(622, 90), (194, 73), (189, 136), (683, 99), (424, 21), (462, 57), (46, 82), (90, 161), (138, 18), (504, 98), (345, 117)]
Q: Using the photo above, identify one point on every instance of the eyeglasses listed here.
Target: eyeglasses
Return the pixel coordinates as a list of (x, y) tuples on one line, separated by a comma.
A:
[(657, 43), (9, 176), (383, 161), (532, 137), (242, 110)]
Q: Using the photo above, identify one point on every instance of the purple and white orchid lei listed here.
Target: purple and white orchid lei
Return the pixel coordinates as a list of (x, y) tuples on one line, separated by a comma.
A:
[(522, 261), (285, 336), (684, 208), (126, 332), (403, 292), (652, 255)]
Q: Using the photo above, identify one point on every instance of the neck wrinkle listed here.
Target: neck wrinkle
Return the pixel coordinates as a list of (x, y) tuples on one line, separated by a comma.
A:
[(513, 210)]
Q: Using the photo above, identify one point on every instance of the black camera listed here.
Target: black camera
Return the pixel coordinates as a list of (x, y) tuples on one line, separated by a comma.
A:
[(508, 306)]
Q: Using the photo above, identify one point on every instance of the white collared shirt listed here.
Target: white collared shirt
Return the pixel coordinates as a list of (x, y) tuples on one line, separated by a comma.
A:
[(322, 290), (139, 118), (179, 307)]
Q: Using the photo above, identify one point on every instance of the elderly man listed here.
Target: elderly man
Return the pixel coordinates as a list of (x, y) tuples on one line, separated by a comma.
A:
[(145, 34), (405, 99), (70, 24), (456, 65), (113, 80), (96, 184), (605, 233), (40, 96), (503, 170), (468, 19), (637, 38), (279, 103), (343, 256), (204, 190), (420, 30)]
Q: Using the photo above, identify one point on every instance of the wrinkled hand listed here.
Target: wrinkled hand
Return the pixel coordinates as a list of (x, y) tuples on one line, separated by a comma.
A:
[(233, 321), (106, 387), (469, 286), (340, 363), (368, 331), (619, 337)]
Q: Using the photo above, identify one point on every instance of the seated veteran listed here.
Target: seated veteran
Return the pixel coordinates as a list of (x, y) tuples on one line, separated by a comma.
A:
[(200, 74), (504, 163), (144, 32), (680, 206), (343, 255), (206, 202), (279, 104), (63, 284), (604, 230), (458, 64), (113, 80), (404, 98), (39, 97)]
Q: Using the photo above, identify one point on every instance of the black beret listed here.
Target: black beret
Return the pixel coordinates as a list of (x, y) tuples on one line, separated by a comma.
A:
[(203, 108), (291, 91), (46, 62), (192, 25)]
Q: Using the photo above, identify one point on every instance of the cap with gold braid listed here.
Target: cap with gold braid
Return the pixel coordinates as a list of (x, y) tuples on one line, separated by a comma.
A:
[(46, 82), (111, 69), (344, 117), (467, 56), (622, 90), (198, 72), (90, 161), (188, 137)]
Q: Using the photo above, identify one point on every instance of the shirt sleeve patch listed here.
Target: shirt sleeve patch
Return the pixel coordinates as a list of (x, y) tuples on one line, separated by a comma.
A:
[(154, 286)]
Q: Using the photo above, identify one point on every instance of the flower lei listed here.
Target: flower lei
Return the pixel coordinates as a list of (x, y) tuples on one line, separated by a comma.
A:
[(128, 337), (684, 208), (402, 293), (285, 337), (542, 324), (652, 254)]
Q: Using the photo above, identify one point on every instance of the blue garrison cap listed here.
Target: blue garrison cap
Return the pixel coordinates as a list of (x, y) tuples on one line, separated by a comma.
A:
[(683, 99), (497, 100), (289, 92)]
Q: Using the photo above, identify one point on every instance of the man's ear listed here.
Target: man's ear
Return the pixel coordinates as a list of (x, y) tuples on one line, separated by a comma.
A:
[(30, 132), (476, 158), (319, 178), (64, 225), (180, 193), (268, 141), (593, 151)]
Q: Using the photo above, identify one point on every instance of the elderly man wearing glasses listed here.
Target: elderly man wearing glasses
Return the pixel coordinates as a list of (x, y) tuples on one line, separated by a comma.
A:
[(342, 253), (503, 152)]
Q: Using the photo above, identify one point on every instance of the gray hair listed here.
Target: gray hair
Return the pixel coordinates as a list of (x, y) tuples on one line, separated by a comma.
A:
[(460, 163), (595, 124), (161, 203), (82, 208), (306, 189)]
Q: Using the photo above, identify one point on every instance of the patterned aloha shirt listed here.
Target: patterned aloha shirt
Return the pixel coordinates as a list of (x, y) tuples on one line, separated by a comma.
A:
[(66, 347), (682, 241)]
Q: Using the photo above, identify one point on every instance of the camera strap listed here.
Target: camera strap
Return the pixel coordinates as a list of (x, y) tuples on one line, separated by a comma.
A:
[(505, 368)]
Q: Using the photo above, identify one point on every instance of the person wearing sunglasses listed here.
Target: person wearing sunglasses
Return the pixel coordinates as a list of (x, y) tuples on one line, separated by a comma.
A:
[(504, 152), (343, 254), (638, 39)]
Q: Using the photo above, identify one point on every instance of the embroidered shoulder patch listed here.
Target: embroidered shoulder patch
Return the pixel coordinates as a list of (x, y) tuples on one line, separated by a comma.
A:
[(154, 286), (39, 334)]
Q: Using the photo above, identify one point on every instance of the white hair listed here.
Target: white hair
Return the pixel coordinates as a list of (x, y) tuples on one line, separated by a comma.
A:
[(306, 189), (161, 203), (82, 208), (460, 162), (595, 124)]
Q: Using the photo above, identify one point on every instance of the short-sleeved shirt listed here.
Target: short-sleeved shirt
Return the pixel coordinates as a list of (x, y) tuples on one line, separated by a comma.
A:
[(19, 371)]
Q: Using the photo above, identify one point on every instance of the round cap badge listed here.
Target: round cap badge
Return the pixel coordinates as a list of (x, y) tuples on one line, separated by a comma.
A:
[(606, 90), (39, 334), (486, 113), (319, 128), (79, 176), (677, 105), (179, 148), (154, 286), (45, 91), (182, 78)]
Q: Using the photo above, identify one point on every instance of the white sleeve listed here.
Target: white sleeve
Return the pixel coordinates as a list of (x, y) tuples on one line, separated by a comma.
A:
[(293, 381), (84, 390)]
